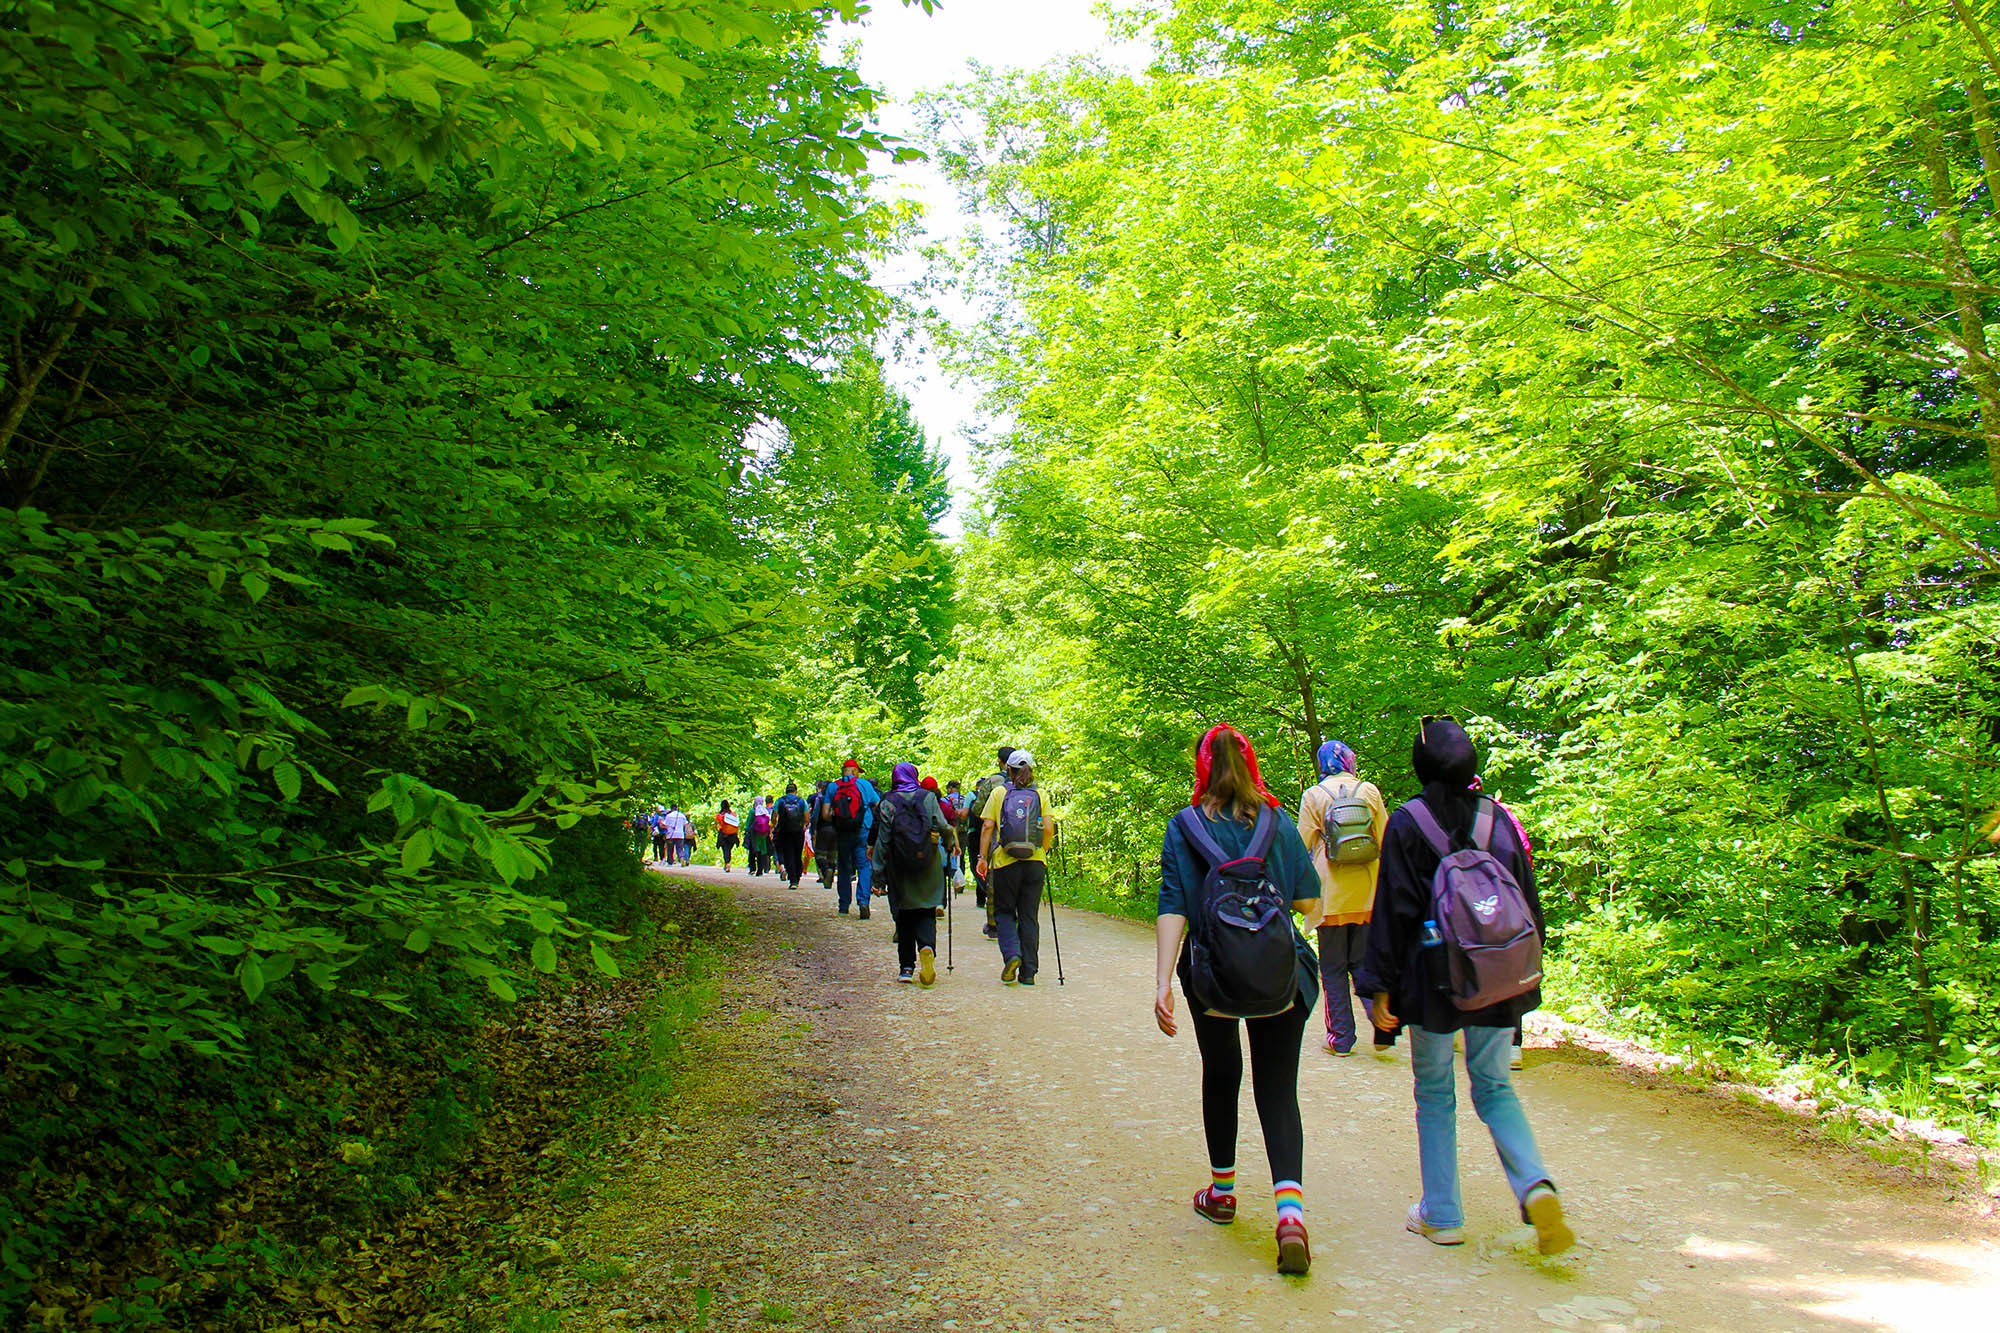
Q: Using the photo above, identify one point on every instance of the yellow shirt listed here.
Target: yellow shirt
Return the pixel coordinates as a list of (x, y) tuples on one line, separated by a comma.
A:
[(1347, 892), (991, 815)]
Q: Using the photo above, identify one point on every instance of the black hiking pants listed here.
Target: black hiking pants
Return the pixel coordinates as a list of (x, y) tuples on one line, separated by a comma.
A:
[(916, 928), (791, 849), (1017, 911), (1274, 1081)]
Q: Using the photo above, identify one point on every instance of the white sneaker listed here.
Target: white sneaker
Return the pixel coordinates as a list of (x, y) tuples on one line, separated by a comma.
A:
[(1515, 1061), (1416, 1225)]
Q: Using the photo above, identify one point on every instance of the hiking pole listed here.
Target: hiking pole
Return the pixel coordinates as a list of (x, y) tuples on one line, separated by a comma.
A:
[(1055, 937)]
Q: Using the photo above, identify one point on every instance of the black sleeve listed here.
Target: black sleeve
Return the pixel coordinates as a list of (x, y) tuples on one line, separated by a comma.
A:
[(1399, 890)]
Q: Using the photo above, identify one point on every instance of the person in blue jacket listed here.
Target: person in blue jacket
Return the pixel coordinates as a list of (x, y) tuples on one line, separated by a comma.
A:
[(870, 798)]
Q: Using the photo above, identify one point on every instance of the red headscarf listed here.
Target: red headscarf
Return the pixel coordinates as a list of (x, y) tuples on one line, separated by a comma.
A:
[(930, 785), (1202, 760)]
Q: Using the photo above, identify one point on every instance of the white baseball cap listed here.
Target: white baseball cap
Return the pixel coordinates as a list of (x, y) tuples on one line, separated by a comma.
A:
[(1020, 759)]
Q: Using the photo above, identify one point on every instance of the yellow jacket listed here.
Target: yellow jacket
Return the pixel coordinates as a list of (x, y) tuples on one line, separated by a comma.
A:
[(1347, 892)]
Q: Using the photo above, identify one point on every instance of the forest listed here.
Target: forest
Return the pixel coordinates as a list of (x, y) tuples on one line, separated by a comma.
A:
[(432, 431)]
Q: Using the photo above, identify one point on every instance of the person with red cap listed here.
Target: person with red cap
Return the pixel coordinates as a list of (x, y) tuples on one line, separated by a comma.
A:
[(1230, 808)]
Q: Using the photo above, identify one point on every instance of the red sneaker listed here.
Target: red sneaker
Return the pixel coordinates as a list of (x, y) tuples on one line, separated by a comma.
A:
[(1294, 1255), (1217, 1208)]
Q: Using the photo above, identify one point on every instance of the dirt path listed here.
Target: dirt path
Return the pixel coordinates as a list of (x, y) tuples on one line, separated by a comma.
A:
[(850, 1153)]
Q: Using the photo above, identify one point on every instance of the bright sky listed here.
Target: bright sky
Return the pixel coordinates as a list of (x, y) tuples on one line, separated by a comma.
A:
[(904, 51)]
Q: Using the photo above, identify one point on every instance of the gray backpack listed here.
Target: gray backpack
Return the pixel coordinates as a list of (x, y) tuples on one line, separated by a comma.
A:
[(1349, 831), (1491, 946)]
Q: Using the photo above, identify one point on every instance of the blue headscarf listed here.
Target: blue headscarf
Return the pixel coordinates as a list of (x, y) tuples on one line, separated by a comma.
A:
[(1335, 757)]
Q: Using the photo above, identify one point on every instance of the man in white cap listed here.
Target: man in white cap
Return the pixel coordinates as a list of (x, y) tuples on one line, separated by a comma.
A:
[(1015, 834)]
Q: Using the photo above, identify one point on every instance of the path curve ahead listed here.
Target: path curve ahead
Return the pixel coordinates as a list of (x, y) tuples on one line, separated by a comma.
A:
[(979, 1155)]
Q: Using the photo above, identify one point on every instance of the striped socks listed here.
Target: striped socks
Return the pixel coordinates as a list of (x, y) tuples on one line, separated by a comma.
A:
[(1223, 1183), (1291, 1200)]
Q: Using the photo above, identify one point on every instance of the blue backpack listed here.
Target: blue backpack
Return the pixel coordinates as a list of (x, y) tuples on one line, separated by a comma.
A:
[(1242, 954)]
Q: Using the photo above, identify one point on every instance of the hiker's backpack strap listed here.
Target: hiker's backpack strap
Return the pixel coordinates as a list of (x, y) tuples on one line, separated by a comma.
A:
[(1262, 836), (1198, 837), (1482, 826), (1433, 831)]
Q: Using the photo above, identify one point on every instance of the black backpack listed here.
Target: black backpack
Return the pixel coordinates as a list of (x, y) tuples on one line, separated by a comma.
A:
[(909, 832), (1242, 955), (789, 814)]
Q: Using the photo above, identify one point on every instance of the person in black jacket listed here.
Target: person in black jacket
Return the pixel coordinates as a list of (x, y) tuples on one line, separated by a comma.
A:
[(1400, 973)]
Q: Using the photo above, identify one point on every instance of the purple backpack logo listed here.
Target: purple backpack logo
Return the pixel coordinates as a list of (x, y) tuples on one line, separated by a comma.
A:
[(1491, 945)]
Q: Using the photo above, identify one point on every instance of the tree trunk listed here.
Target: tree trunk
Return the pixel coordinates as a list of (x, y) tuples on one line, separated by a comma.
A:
[(1965, 295)]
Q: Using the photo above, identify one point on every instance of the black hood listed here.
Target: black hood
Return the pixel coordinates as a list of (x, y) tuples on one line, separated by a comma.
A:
[(1444, 755)]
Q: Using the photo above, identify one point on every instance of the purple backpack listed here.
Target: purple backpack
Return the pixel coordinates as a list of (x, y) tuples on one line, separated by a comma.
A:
[(1491, 945)]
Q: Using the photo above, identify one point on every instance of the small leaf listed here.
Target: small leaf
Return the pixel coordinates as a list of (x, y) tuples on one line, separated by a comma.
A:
[(605, 962), (251, 975), (498, 985), (418, 940), (544, 954), (286, 775), (417, 852)]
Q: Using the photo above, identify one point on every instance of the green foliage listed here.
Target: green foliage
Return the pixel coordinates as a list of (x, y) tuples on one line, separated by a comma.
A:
[(386, 509), (1615, 381)]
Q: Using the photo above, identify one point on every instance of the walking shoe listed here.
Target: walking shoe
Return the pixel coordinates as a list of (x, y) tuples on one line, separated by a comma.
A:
[(1217, 1208), (938, 913), (1294, 1255), (864, 911), (906, 975), (1545, 1210), (1012, 970), (843, 911), (1027, 981), (793, 886), (1515, 1060), (991, 932), (1332, 1049), (927, 965), (1435, 1235), (1382, 1052)]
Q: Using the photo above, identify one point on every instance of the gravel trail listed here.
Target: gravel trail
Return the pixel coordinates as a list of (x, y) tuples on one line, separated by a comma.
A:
[(850, 1153)]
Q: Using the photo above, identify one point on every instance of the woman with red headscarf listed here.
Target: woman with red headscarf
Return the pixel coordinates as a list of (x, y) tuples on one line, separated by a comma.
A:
[(1230, 805)]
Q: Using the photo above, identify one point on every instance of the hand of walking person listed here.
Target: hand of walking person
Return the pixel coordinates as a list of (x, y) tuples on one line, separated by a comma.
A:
[(1163, 1010), (1379, 1015)]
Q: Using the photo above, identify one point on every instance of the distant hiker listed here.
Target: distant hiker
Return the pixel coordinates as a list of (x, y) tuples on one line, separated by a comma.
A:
[(869, 797), (1341, 820), (1455, 946), (680, 836), (1015, 833), (656, 828), (788, 834), (1234, 851), (975, 809), (952, 804), (910, 837), (825, 841), (850, 816), (728, 827), (760, 838)]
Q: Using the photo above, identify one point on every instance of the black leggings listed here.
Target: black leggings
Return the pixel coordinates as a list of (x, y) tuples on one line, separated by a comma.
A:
[(1274, 1080)]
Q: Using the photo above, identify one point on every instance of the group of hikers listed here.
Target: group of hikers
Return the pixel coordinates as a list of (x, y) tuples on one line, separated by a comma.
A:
[(1428, 917), (908, 846)]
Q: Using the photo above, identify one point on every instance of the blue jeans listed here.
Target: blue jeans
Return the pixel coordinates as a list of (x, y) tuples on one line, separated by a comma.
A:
[(849, 853), (1487, 1051), (867, 869)]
